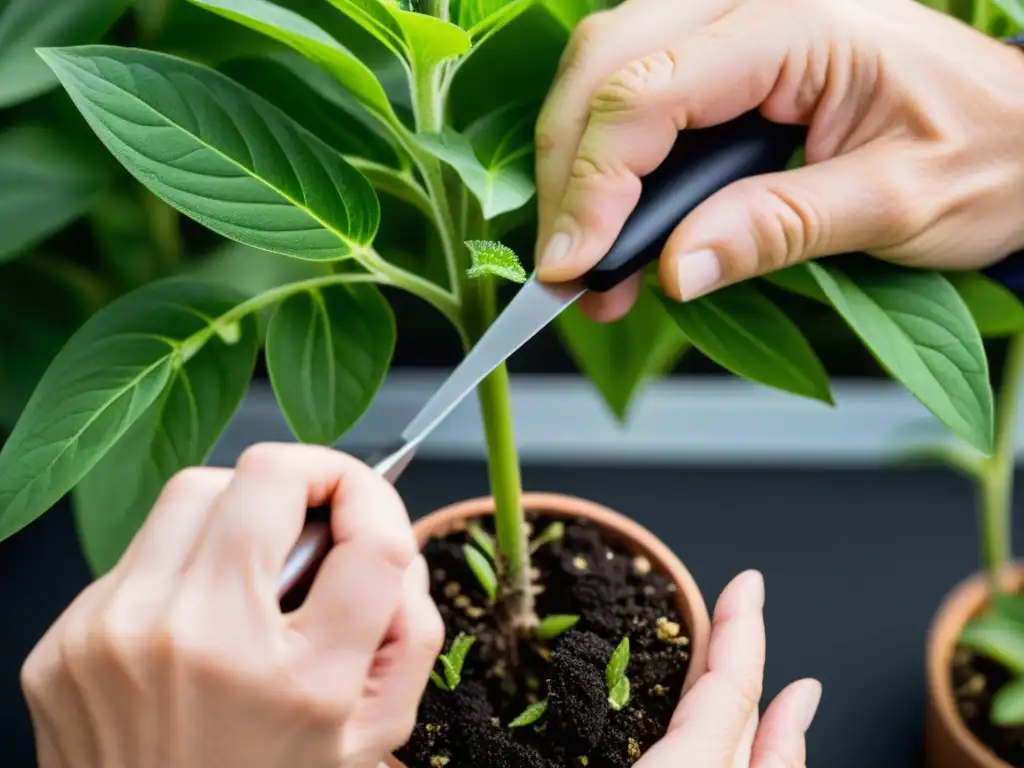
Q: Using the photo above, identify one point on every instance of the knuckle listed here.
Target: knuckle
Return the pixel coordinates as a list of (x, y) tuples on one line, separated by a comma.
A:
[(185, 482), (261, 458), (902, 204), (588, 37), (395, 547), (632, 87), (783, 226)]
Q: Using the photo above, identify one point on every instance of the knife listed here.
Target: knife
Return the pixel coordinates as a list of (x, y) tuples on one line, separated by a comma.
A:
[(701, 162)]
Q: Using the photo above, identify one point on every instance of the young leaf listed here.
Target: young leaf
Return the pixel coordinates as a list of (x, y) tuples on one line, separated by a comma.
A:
[(437, 680), (49, 185), (482, 539), (555, 625), (554, 532), (619, 697), (376, 19), (312, 42), (617, 664), (178, 430), (104, 379), (997, 636), (530, 715), (455, 659), (620, 357), (327, 352), (483, 570), (28, 24), (494, 158), (313, 98), (745, 332), (220, 154), (494, 260), (1008, 704), (918, 327), (996, 311), (484, 18)]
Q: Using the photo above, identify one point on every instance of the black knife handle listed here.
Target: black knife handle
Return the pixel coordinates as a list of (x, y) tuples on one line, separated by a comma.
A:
[(701, 162)]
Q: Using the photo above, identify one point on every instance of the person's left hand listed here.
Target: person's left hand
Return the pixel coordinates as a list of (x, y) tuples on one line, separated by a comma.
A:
[(717, 723)]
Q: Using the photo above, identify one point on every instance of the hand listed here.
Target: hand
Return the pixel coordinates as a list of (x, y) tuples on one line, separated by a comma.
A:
[(181, 656), (914, 149), (716, 724)]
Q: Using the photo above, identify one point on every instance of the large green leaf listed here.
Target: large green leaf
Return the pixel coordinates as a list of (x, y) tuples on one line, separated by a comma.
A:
[(494, 158), (1008, 704), (746, 333), (620, 357), (47, 185), (28, 24), (996, 311), (103, 380), (327, 352), (308, 39), (310, 95), (998, 636), (178, 430), (920, 330), (375, 18), (219, 153)]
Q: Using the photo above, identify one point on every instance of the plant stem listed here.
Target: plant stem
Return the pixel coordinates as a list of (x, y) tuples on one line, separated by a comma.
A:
[(996, 476), (164, 230)]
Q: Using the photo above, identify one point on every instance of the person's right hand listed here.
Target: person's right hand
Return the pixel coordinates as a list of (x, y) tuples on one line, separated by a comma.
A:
[(181, 656), (915, 148)]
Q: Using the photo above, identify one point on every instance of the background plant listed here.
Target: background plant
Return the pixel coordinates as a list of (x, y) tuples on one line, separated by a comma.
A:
[(377, 150)]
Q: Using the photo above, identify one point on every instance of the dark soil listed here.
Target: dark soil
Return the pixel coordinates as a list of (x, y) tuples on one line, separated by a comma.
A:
[(976, 679), (616, 595)]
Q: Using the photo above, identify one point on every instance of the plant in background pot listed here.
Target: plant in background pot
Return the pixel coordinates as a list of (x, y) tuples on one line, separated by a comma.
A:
[(407, 169)]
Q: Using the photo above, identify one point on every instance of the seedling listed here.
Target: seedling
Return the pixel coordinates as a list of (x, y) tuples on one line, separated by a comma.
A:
[(615, 677), (530, 715), (452, 663), (554, 532), (552, 626), (483, 570)]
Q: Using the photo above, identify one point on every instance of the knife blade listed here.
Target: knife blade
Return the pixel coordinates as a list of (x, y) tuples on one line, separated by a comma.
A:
[(700, 163)]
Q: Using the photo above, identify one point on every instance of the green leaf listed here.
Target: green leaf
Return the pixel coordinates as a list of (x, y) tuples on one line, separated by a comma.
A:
[(482, 539), (220, 154), (530, 715), (571, 12), (437, 680), (486, 17), (555, 625), (620, 357), (1008, 704), (920, 330), (483, 570), (617, 664), (996, 311), (745, 332), (375, 18), (494, 260), (104, 379), (29, 24), (554, 532), (48, 185), (494, 158), (309, 94), (998, 637), (619, 697), (312, 42), (455, 659), (327, 352), (177, 431)]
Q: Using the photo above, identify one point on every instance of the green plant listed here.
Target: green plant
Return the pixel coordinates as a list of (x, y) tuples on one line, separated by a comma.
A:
[(392, 153), (452, 663), (615, 677)]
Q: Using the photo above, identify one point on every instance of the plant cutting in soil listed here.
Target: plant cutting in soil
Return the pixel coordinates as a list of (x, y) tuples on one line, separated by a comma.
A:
[(390, 147)]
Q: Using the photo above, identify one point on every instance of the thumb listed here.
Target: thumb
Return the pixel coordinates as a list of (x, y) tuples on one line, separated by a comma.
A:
[(862, 201)]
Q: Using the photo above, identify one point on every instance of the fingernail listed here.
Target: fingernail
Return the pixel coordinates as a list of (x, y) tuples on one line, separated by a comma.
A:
[(556, 251), (697, 273), (753, 588), (809, 705)]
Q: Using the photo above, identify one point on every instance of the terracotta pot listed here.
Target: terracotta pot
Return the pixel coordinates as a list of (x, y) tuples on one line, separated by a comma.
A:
[(632, 536), (949, 744)]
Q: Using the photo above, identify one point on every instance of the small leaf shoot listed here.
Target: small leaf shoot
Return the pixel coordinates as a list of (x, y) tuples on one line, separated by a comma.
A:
[(549, 535), (452, 663), (530, 715), (483, 570), (483, 540), (619, 697), (619, 694), (492, 259), (556, 624)]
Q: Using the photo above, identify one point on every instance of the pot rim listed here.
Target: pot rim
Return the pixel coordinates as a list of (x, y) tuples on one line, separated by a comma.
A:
[(965, 601), (635, 537)]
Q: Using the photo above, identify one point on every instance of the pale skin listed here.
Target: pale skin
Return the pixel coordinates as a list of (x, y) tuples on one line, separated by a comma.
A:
[(180, 655), (914, 150)]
